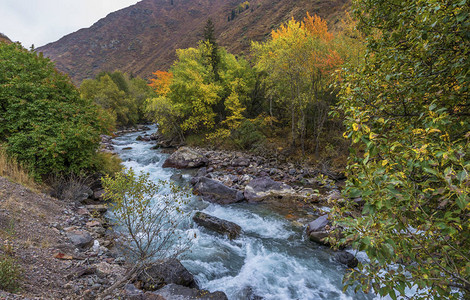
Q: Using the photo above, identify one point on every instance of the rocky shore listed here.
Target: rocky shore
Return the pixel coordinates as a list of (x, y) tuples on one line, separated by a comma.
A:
[(302, 194)]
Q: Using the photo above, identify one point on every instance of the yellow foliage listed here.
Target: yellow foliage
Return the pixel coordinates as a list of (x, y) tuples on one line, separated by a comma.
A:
[(232, 103)]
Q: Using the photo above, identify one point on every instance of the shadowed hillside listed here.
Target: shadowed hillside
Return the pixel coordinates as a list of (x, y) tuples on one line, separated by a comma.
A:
[(143, 38)]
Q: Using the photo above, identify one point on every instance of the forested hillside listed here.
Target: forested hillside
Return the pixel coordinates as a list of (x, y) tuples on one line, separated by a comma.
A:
[(144, 37)]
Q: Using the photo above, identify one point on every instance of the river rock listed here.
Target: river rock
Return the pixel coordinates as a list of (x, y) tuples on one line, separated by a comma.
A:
[(185, 158), (132, 293), (262, 188), (216, 192), (177, 177), (159, 274), (317, 230), (177, 292), (240, 162), (201, 172), (228, 228), (98, 195), (347, 259), (145, 138), (97, 208), (80, 239)]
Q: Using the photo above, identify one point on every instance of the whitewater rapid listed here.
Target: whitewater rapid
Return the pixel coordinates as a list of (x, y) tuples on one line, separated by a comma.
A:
[(271, 259)]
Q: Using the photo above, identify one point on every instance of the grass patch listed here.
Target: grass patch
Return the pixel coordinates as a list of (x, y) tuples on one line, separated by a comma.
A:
[(16, 172)]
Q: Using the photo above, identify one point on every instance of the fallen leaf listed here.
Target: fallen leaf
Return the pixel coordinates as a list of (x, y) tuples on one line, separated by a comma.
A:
[(63, 256)]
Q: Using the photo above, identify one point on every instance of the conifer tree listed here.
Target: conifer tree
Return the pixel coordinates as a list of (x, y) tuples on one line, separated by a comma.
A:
[(209, 37)]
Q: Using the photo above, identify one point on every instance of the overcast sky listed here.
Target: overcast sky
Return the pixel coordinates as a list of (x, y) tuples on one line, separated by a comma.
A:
[(40, 22)]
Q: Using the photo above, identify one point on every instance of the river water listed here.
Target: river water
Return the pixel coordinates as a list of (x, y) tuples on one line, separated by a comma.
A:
[(271, 259)]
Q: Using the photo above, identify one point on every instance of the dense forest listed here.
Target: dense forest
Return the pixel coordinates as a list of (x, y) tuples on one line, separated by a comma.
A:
[(384, 97)]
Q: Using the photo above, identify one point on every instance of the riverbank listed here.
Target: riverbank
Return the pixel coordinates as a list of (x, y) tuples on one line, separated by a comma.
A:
[(62, 247), (266, 256)]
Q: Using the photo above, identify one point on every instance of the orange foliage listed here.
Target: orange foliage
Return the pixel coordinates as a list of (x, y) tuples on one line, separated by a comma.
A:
[(314, 26), (326, 60), (162, 83), (317, 27), (327, 63)]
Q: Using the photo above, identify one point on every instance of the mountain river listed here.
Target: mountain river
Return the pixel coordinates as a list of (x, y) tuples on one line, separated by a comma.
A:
[(271, 259)]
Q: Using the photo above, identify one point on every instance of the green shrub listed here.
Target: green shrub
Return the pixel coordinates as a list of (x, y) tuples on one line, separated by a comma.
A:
[(10, 274), (248, 135), (148, 218), (44, 122)]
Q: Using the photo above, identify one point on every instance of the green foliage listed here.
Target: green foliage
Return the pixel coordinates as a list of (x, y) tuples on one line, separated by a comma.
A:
[(248, 134), (407, 110), (121, 98), (196, 101), (108, 163), (10, 274), (213, 50), (44, 122), (118, 78), (150, 216)]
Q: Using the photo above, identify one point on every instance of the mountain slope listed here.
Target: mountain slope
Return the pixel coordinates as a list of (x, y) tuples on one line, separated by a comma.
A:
[(143, 38), (4, 38)]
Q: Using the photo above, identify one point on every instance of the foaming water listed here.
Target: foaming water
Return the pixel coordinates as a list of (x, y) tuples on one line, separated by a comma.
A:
[(270, 259)]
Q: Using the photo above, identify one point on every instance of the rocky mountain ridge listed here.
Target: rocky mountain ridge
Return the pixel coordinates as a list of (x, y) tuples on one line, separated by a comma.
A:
[(143, 38)]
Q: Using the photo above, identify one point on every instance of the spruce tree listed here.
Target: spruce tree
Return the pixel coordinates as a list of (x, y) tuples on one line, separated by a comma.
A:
[(209, 37)]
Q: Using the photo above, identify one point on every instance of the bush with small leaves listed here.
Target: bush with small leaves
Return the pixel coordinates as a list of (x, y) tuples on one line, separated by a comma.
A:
[(10, 274)]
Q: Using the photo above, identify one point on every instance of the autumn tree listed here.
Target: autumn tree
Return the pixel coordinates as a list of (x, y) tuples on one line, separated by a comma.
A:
[(297, 61), (408, 117), (161, 84), (190, 100)]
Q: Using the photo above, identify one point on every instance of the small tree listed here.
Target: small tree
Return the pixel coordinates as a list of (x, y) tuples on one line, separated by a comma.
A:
[(149, 217)]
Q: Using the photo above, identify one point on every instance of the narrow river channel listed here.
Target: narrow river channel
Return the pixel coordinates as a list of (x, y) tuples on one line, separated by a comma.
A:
[(271, 259)]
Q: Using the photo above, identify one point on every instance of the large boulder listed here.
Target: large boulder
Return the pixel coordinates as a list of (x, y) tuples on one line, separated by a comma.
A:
[(159, 274), (216, 192), (228, 228), (177, 292), (185, 158), (80, 239), (347, 259), (318, 229), (262, 188)]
